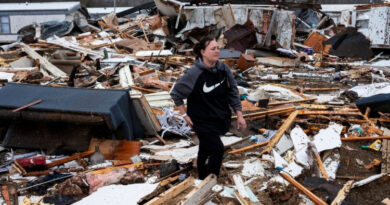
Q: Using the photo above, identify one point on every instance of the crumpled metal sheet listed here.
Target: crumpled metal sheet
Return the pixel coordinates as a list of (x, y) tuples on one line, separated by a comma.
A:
[(241, 37)]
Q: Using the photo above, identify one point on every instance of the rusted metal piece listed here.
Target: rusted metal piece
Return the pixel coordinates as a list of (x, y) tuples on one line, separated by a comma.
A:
[(28, 105)]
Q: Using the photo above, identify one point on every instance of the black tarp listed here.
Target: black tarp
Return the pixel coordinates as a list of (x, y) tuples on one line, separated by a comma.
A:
[(350, 44), (115, 105), (377, 103)]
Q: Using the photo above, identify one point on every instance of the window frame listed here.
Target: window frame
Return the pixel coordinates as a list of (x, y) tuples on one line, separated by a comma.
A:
[(1, 24)]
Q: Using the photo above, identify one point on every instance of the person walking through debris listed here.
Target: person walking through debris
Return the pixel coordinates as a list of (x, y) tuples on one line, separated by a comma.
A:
[(210, 88)]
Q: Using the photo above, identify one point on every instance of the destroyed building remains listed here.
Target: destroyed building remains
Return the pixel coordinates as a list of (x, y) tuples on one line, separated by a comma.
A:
[(86, 115)]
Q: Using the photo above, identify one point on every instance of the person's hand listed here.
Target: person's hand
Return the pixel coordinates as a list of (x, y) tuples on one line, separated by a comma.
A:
[(241, 124), (188, 120)]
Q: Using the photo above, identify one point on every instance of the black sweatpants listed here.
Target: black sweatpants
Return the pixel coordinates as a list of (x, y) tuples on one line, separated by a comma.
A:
[(210, 154)]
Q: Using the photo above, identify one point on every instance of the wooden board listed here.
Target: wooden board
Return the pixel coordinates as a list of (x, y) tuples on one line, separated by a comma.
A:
[(172, 192), (116, 149), (201, 191), (275, 139), (385, 156)]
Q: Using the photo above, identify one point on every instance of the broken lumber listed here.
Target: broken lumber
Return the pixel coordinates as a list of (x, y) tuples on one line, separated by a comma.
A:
[(364, 138), (385, 167), (201, 191), (28, 105), (139, 165), (318, 160), (215, 194), (243, 193), (304, 190), (310, 112), (320, 89), (342, 194), (275, 139), (291, 101), (172, 192), (143, 89), (161, 139), (238, 142), (250, 147), (46, 65), (68, 159), (269, 112), (365, 116), (240, 198)]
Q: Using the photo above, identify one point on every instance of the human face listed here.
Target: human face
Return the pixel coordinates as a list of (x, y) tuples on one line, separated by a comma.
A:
[(210, 54)]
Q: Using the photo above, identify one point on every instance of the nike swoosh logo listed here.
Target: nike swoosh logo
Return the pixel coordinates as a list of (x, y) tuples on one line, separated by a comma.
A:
[(207, 89)]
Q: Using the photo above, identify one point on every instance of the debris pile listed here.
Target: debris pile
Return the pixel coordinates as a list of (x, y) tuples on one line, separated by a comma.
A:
[(86, 116)]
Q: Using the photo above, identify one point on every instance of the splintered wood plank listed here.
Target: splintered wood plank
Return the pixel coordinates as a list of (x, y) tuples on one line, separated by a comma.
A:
[(275, 139), (315, 199), (172, 192), (201, 191), (342, 194), (43, 61), (385, 156)]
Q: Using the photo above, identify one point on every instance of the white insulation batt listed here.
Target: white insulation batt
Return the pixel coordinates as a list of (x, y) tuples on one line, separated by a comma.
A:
[(118, 194)]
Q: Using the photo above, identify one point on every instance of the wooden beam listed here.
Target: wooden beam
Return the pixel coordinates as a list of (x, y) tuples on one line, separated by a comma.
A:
[(310, 112), (143, 89), (238, 142), (215, 194), (275, 139), (364, 138), (376, 129), (28, 105), (385, 167), (320, 89), (318, 160), (68, 159), (201, 191), (292, 101), (342, 194), (139, 165), (367, 113), (172, 192), (161, 139), (315, 199), (46, 65), (175, 173), (241, 199), (269, 112), (247, 148)]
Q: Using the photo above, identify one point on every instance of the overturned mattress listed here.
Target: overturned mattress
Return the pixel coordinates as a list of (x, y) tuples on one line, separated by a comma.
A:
[(115, 105)]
